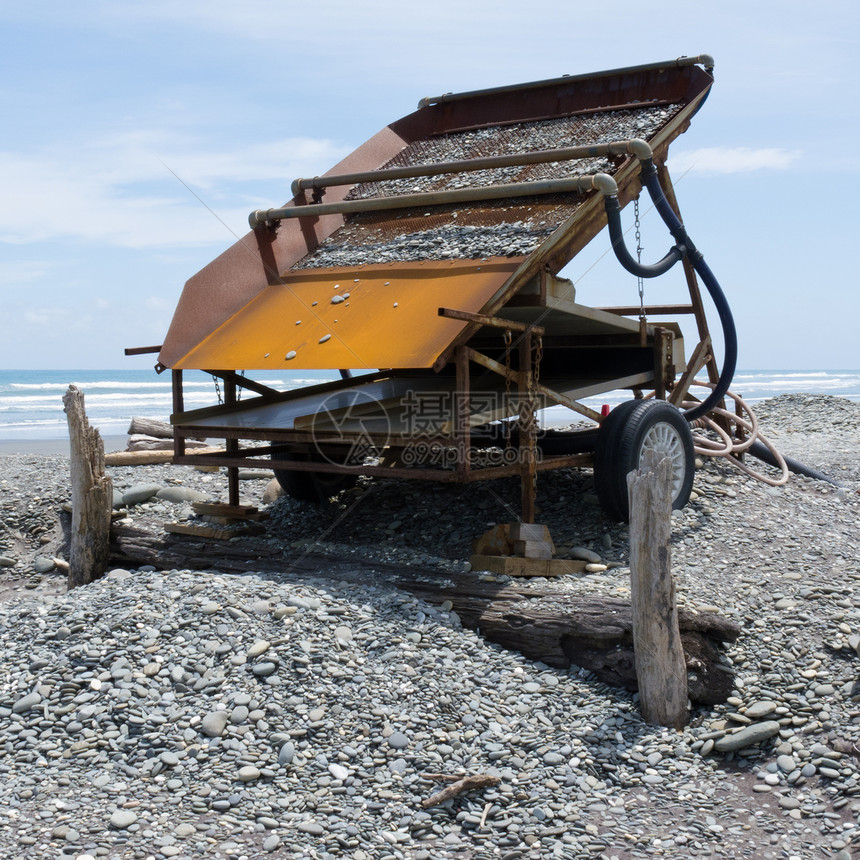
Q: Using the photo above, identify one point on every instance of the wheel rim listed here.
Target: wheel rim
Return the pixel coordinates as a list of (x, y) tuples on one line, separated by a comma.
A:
[(666, 439)]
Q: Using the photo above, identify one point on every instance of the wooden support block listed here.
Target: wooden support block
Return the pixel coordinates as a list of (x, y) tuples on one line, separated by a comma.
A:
[(496, 541), (531, 540), (527, 540), (515, 566), (533, 549), (530, 531), (219, 509), (226, 521), (223, 514), (211, 531)]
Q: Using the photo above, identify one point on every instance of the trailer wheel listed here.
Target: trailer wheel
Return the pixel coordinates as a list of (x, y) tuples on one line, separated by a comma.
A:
[(315, 487), (627, 432)]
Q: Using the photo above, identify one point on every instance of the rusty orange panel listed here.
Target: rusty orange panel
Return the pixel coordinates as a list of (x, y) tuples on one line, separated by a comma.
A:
[(360, 317)]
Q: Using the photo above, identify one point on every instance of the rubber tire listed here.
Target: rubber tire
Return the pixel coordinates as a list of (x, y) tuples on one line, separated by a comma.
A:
[(316, 487), (619, 450)]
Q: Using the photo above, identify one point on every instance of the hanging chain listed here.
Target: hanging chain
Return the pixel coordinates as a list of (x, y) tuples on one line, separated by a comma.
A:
[(639, 280), (508, 339), (217, 389), (239, 388), (536, 378)]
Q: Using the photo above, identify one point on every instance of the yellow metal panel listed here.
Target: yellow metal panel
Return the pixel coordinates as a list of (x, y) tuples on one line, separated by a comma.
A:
[(386, 316)]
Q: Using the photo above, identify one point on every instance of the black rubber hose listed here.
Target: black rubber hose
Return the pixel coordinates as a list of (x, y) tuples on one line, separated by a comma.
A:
[(760, 451), (616, 236), (730, 337)]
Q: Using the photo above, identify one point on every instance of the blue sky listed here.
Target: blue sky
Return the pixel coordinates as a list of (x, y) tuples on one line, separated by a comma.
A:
[(102, 103)]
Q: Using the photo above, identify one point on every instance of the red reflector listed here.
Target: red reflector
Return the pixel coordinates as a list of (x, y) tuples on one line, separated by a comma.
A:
[(604, 410)]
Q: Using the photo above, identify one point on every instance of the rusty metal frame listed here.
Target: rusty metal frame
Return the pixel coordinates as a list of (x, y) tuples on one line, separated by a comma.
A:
[(273, 250), (244, 457)]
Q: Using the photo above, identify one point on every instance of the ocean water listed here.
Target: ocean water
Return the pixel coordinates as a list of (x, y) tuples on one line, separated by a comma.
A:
[(31, 401)]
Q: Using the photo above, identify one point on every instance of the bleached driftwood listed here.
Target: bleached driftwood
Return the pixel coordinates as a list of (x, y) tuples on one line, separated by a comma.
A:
[(659, 654), (150, 427), (92, 495), (459, 784), (141, 442)]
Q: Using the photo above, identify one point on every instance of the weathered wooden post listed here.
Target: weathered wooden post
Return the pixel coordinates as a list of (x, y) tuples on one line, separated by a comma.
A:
[(92, 495), (660, 666)]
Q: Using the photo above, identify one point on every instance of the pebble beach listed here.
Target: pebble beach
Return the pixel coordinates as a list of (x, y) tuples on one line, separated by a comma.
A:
[(184, 714)]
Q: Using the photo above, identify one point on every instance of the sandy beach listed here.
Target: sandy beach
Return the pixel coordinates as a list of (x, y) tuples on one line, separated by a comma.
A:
[(53, 447)]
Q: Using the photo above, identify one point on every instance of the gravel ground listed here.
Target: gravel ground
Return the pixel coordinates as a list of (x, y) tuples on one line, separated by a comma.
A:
[(506, 228), (178, 714)]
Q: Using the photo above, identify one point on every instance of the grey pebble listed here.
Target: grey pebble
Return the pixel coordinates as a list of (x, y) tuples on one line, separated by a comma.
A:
[(264, 669), (748, 736), (139, 493), (286, 754), (26, 703), (398, 741), (122, 818), (786, 763), (181, 494), (760, 709), (214, 723)]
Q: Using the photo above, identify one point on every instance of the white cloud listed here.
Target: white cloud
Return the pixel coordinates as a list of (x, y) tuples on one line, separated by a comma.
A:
[(23, 272), (119, 191), (726, 159)]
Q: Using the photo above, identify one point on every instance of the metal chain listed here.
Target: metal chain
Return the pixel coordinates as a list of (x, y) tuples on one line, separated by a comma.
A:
[(508, 339), (536, 376), (639, 280), (239, 388), (217, 389)]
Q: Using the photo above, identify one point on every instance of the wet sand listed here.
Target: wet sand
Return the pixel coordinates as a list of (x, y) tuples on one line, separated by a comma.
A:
[(53, 447)]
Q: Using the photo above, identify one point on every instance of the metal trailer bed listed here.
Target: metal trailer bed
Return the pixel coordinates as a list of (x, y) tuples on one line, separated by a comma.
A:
[(432, 252)]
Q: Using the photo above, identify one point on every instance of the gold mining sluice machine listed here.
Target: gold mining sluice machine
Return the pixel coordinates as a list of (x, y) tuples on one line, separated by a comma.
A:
[(428, 261)]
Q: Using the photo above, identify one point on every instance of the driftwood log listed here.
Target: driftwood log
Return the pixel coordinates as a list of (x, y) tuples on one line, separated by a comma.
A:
[(151, 427), (140, 442), (458, 785), (148, 458), (595, 633), (92, 495)]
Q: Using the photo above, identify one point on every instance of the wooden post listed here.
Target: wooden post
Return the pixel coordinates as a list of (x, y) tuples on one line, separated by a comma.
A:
[(178, 409), (92, 495), (231, 445), (463, 414), (660, 666), (527, 450)]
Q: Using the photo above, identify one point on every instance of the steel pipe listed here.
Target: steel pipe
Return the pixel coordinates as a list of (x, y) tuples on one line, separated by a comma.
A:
[(541, 156), (576, 185)]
